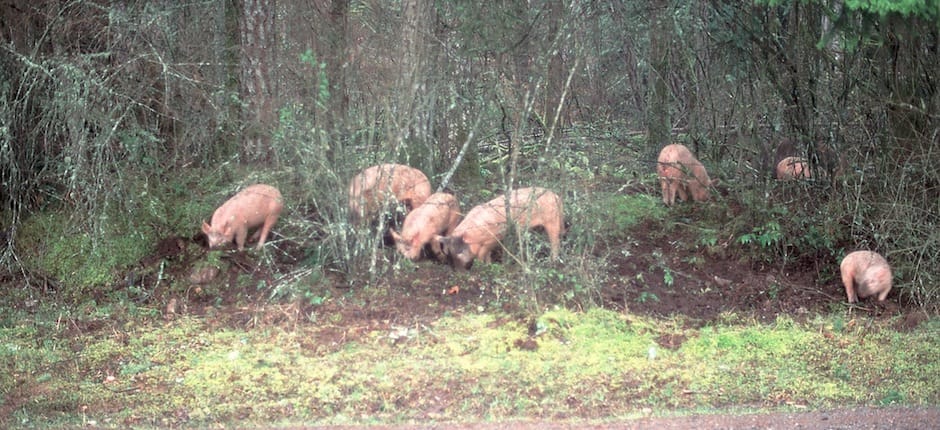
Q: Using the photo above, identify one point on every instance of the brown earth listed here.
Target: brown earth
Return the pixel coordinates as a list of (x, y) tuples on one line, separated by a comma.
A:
[(646, 274)]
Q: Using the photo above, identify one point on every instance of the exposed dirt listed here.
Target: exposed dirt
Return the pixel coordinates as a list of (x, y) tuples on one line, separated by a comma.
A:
[(647, 275)]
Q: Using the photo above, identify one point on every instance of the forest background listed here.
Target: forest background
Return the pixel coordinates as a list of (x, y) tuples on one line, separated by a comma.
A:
[(102, 99), (123, 125)]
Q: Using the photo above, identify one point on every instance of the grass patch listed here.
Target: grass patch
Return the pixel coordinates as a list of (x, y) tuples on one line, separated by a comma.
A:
[(51, 244), (620, 212), (469, 366)]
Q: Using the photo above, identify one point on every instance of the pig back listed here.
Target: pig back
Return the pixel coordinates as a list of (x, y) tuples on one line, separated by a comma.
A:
[(527, 206), (436, 215), (369, 189), (252, 206)]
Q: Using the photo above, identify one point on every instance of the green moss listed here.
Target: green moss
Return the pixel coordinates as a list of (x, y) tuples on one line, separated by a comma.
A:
[(52, 244), (618, 213), (467, 366)]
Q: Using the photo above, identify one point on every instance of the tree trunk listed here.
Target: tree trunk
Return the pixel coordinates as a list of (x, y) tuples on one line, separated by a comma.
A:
[(338, 64), (658, 120), (557, 74), (411, 118), (257, 93)]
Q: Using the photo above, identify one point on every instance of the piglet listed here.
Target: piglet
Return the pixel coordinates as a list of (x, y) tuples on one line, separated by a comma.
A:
[(439, 214), (255, 206), (485, 225)]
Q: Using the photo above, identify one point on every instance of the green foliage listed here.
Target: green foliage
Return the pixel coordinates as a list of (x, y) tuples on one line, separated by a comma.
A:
[(52, 245), (793, 232), (929, 10), (322, 84), (619, 213), (765, 236)]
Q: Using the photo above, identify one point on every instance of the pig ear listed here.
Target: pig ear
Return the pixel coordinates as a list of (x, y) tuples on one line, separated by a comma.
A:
[(395, 235), (205, 227)]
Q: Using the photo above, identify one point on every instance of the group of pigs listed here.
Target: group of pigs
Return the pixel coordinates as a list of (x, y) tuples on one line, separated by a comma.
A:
[(864, 273), (434, 220)]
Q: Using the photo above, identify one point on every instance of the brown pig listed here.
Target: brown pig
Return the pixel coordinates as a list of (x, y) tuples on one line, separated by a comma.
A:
[(439, 214), (865, 273), (793, 168), (372, 187), (485, 225), (680, 173), (256, 206)]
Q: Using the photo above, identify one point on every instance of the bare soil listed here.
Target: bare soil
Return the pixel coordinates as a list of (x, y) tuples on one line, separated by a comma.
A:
[(647, 275), (651, 273)]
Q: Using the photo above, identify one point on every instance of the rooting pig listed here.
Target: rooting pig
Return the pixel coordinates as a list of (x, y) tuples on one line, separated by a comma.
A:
[(439, 215), (372, 187), (680, 173), (485, 225), (865, 273), (254, 206), (793, 168)]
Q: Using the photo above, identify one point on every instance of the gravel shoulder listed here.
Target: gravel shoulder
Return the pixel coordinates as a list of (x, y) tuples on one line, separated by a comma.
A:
[(863, 418)]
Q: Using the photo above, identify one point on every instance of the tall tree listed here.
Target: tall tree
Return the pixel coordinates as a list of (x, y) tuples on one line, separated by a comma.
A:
[(339, 19), (412, 106), (336, 70), (258, 49), (659, 121)]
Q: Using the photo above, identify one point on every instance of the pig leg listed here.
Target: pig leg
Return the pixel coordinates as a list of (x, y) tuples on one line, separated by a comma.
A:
[(665, 190), (682, 188), (486, 251), (437, 250), (241, 233), (848, 281), (883, 295), (664, 183), (554, 238), (265, 229)]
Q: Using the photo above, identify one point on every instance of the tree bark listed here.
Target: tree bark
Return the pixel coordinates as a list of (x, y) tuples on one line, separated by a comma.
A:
[(337, 67), (258, 47), (658, 120)]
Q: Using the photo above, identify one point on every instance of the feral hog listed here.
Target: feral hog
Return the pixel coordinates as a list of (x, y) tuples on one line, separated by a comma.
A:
[(370, 189), (680, 173), (865, 273), (485, 225), (256, 206), (793, 168), (439, 215)]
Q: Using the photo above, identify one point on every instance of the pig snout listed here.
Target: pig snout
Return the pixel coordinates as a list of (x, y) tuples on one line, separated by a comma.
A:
[(438, 215), (456, 252)]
